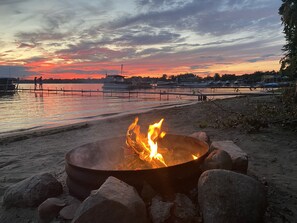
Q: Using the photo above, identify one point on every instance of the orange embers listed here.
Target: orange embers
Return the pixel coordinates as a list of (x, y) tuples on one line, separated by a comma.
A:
[(146, 146)]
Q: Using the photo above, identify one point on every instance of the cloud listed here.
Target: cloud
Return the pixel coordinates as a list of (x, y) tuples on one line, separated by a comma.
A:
[(82, 71), (261, 58), (26, 45), (148, 38), (40, 36), (91, 51), (69, 36), (159, 4), (195, 67), (204, 16), (12, 2), (14, 71)]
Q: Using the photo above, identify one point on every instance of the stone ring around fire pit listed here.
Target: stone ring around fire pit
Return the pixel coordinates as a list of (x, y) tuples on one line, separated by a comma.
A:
[(88, 166)]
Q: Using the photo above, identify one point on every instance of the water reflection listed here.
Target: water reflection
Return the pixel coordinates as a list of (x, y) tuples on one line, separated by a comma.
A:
[(26, 110)]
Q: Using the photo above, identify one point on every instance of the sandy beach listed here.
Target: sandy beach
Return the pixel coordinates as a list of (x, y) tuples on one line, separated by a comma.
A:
[(272, 151)]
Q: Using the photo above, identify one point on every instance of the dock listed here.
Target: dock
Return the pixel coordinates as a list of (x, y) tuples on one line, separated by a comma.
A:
[(162, 94)]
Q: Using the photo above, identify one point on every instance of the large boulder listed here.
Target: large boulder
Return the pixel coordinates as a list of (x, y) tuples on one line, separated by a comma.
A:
[(238, 156), (217, 159), (114, 201), (229, 197), (32, 191)]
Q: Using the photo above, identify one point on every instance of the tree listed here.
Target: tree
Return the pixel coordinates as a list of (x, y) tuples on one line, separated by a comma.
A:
[(216, 77), (288, 12)]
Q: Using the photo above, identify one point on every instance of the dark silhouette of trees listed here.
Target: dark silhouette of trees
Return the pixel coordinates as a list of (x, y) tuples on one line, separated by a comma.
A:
[(216, 77), (288, 12)]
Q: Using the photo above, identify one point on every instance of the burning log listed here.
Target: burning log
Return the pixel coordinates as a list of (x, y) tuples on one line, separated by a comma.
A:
[(146, 147)]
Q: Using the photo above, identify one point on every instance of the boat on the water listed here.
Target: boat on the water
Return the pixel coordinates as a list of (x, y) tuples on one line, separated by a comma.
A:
[(8, 85), (166, 84), (116, 82), (119, 82)]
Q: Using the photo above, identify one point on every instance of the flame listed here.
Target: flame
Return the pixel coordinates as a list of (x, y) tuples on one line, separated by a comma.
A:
[(146, 146), (194, 157)]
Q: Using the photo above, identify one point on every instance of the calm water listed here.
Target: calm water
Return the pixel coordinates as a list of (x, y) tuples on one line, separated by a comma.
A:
[(29, 110)]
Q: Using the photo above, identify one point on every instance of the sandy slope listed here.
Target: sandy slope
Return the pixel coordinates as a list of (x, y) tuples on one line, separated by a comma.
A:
[(272, 152)]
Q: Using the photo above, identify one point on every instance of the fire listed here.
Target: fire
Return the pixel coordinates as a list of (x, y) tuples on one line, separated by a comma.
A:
[(146, 146), (194, 157)]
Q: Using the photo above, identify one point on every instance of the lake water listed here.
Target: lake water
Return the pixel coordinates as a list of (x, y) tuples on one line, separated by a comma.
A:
[(32, 110)]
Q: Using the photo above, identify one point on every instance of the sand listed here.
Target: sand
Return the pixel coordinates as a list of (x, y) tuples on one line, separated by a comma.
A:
[(272, 151)]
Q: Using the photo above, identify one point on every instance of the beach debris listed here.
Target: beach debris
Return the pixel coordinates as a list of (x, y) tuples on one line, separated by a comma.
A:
[(32, 191), (226, 196), (49, 209), (160, 210), (217, 159), (184, 209), (202, 136), (69, 211), (238, 156), (114, 201)]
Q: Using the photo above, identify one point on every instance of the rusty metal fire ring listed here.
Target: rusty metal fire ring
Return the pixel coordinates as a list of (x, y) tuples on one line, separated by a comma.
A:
[(88, 166)]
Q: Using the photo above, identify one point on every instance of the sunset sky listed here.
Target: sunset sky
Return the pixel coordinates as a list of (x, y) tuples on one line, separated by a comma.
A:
[(87, 39)]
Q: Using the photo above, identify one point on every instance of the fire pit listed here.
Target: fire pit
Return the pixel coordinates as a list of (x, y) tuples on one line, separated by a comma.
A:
[(88, 166)]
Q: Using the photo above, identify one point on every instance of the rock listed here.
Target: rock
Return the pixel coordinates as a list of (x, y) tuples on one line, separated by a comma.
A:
[(217, 159), (184, 209), (69, 211), (193, 193), (159, 210), (114, 201), (147, 192), (49, 209), (202, 136), (32, 191), (226, 197), (239, 157)]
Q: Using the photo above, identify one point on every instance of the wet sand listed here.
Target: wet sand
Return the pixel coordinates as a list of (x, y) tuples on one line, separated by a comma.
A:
[(272, 151)]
